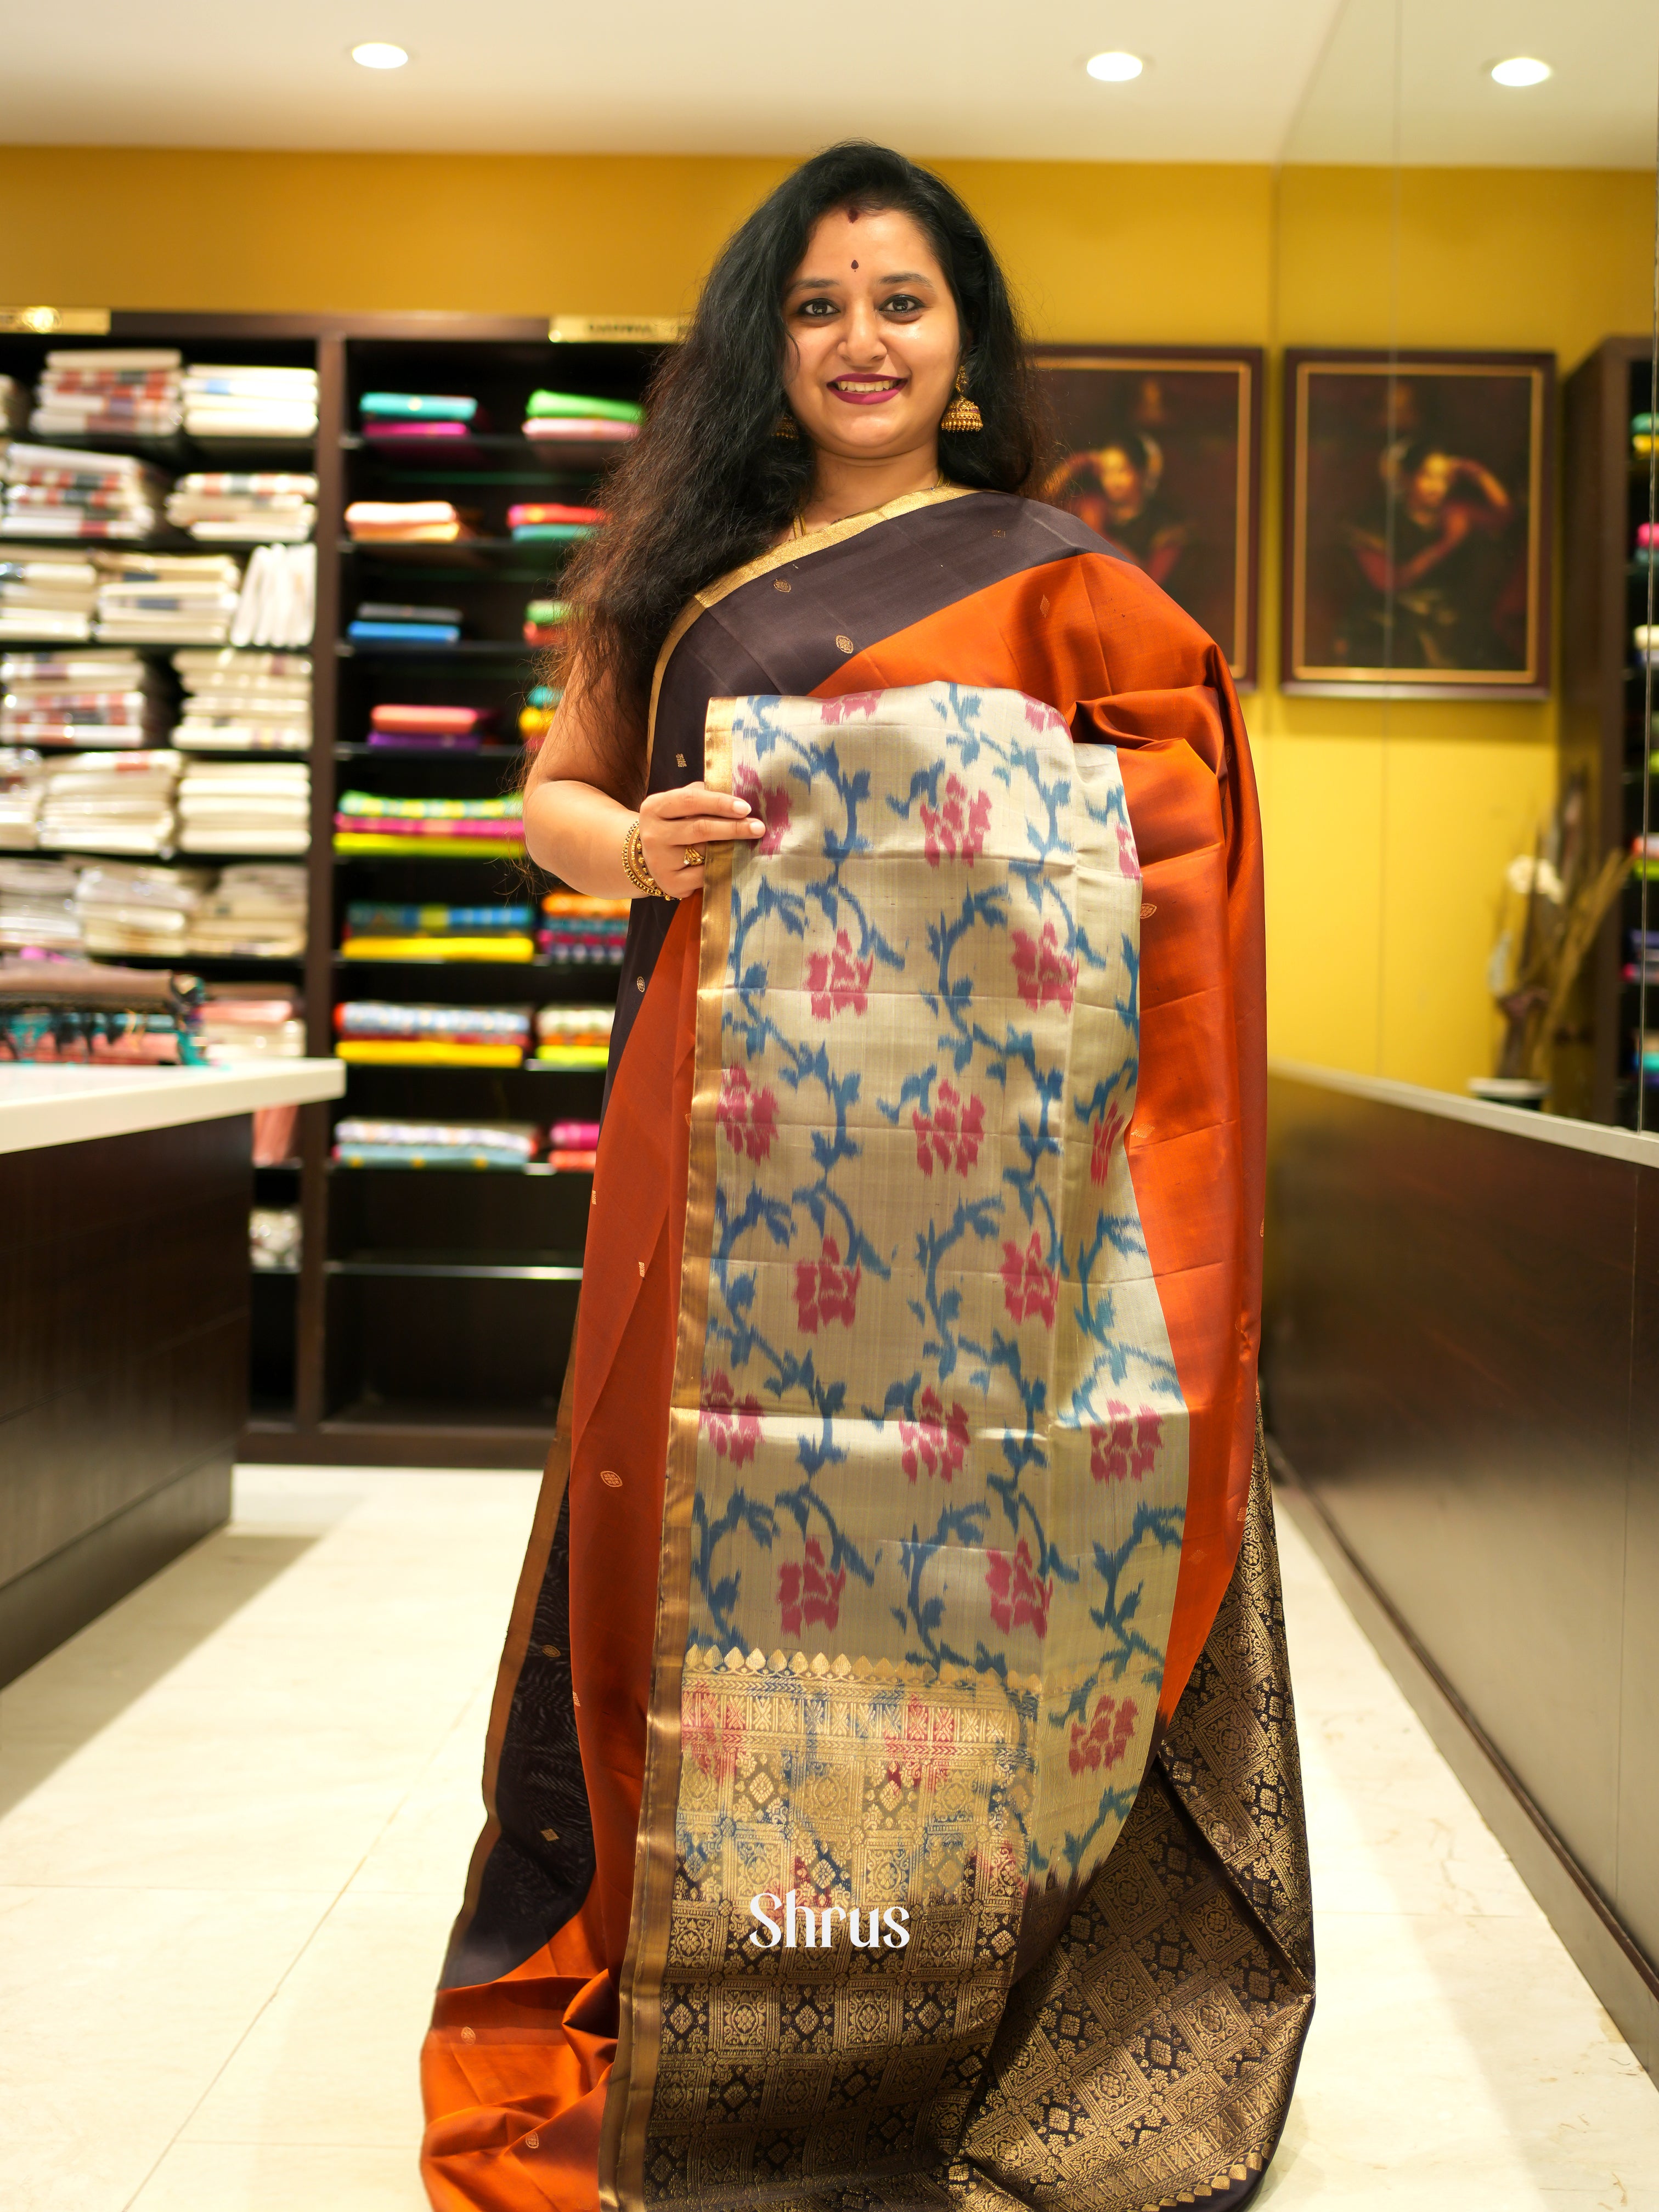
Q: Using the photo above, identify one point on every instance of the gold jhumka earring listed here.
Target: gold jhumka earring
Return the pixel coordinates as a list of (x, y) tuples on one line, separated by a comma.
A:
[(962, 413), (785, 428)]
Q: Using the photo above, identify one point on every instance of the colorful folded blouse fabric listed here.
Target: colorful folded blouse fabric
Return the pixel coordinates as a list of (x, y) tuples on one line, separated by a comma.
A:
[(183, 598), (585, 932), (36, 907), (254, 911), (419, 415), (55, 491), (378, 621), (244, 702), (245, 806), (241, 400), (407, 522), (533, 520), (369, 822), (244, 1021), (442, 729), (110, 802), (544, 621), (80, 698), (573, 1146), (536, 715), (22, 785), (245, 508), (54, 1009), (436, 933), (501, 1144), (573, 1036), (46, 593), (1641, 434), (378, 1033), (578, 415), (108, 392)]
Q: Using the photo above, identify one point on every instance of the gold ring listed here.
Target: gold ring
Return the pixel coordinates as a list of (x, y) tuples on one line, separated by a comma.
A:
[(692, 856)]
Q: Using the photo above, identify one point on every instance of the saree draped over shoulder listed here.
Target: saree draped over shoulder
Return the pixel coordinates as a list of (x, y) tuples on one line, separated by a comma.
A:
[(892, 1785)]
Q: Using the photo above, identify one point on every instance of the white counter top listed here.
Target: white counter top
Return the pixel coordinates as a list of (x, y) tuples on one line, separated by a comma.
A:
[(54, 1105), (1448, 1105)]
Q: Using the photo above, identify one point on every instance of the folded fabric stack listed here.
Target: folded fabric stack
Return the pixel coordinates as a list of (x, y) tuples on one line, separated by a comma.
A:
[(108, 393), (407, 522), (36, 907), (274, 1239), (242, 1022), (183, 598), (84, 1011), (436, 933), (233, 400), (14, 405), (573, 1036), (536, 716), (437, 729), (543, 518), (361, 1144), (1641, 434), (451, 828), (148, 910), (57, 491), (379, 1034), (278, 601), (1643, 966), (244, 508), (87, 698), (245, 806), (379, 623), (394, 416), (244, 702), (544, 621), (583, 932), (22, 785), (1645, 857), (46, 593), (573, 1146), (252, 913), (110, 803), (576, 415)]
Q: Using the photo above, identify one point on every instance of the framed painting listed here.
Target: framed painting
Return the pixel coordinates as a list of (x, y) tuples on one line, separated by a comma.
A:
[(1160, 452), (1417, 524)]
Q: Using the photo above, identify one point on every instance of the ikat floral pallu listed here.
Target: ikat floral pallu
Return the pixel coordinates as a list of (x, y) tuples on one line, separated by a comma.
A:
[(929, 1456)]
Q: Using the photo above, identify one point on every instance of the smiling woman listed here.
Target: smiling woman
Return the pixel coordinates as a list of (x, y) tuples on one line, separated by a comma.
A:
[(906, 1540)]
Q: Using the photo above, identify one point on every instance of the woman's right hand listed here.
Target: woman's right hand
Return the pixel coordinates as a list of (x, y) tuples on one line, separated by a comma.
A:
[(690, 815)]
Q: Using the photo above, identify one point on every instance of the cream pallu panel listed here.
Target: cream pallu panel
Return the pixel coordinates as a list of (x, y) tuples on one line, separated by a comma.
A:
[(928, 1452)]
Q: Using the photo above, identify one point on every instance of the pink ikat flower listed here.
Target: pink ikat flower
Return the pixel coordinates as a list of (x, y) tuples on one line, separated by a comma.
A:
[(951, 1134), (954, 831), (839, 981), (825, 1290), (771, 805), (807, 1591), (1107, 1131), (749, 1117), (1123, 1447), (934, 1444), (1029, 1286), (1105, 1739), (732, 1429), (1129, 863), (1018, 1598), (1045, 975)]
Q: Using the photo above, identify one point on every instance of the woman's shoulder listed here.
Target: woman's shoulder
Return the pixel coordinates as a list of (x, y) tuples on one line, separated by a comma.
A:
[(1043, 527)]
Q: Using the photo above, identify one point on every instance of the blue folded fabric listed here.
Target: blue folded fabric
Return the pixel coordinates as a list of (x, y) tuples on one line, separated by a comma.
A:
[(404, 633)]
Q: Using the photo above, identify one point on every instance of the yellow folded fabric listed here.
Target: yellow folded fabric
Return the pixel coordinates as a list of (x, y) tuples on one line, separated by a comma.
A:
[(447, 848), (573, 1055), (504, 948), (426, 1052)]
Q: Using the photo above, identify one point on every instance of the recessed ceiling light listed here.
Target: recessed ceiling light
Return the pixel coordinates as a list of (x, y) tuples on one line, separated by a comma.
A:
[(1520, 69), (1115, 68), (375, 55)]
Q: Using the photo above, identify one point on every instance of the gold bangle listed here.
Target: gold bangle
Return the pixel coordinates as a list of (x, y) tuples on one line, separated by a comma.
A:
[(636, 867)]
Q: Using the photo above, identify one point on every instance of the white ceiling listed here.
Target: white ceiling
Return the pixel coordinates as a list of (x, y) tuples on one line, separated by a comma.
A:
[(1226, 81)]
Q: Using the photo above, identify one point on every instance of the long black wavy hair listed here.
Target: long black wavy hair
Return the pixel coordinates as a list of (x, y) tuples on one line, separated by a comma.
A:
[(707, 486)]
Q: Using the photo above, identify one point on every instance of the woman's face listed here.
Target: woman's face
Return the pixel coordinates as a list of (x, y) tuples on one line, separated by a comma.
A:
[(1119, 479), (874, 340)]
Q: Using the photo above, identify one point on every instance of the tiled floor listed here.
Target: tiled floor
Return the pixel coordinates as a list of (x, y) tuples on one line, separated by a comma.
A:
[(235, 1815)]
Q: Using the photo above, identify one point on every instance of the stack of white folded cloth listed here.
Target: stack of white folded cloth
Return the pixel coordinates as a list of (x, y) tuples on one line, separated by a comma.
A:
[(108, 392), (278, 606), (245, 508), (22, 780), (245, 806), (187, 599), (46, 593), (110, 803), (59, 491), (36, 907), (253, 912), (127, 910), (250, 1021), (80, 698), (240, 702), (233, 400), (14, 405)]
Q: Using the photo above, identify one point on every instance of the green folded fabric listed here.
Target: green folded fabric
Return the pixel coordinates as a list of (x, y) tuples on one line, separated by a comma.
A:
[(545, 612), (424, 406), (580, 404)]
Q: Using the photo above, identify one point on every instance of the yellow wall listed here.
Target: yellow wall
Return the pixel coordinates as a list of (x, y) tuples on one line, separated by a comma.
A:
[(1389, 826)]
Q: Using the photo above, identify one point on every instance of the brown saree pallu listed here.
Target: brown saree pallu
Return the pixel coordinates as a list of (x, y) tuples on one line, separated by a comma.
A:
[(892, 1788)]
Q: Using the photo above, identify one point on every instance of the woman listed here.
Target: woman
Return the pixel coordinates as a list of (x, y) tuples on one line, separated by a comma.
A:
[(1114, 488), (1440, 588), (892, 1785)]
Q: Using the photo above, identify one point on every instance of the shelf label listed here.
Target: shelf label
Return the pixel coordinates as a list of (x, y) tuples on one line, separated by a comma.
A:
[(91, 322), (617, 330)]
